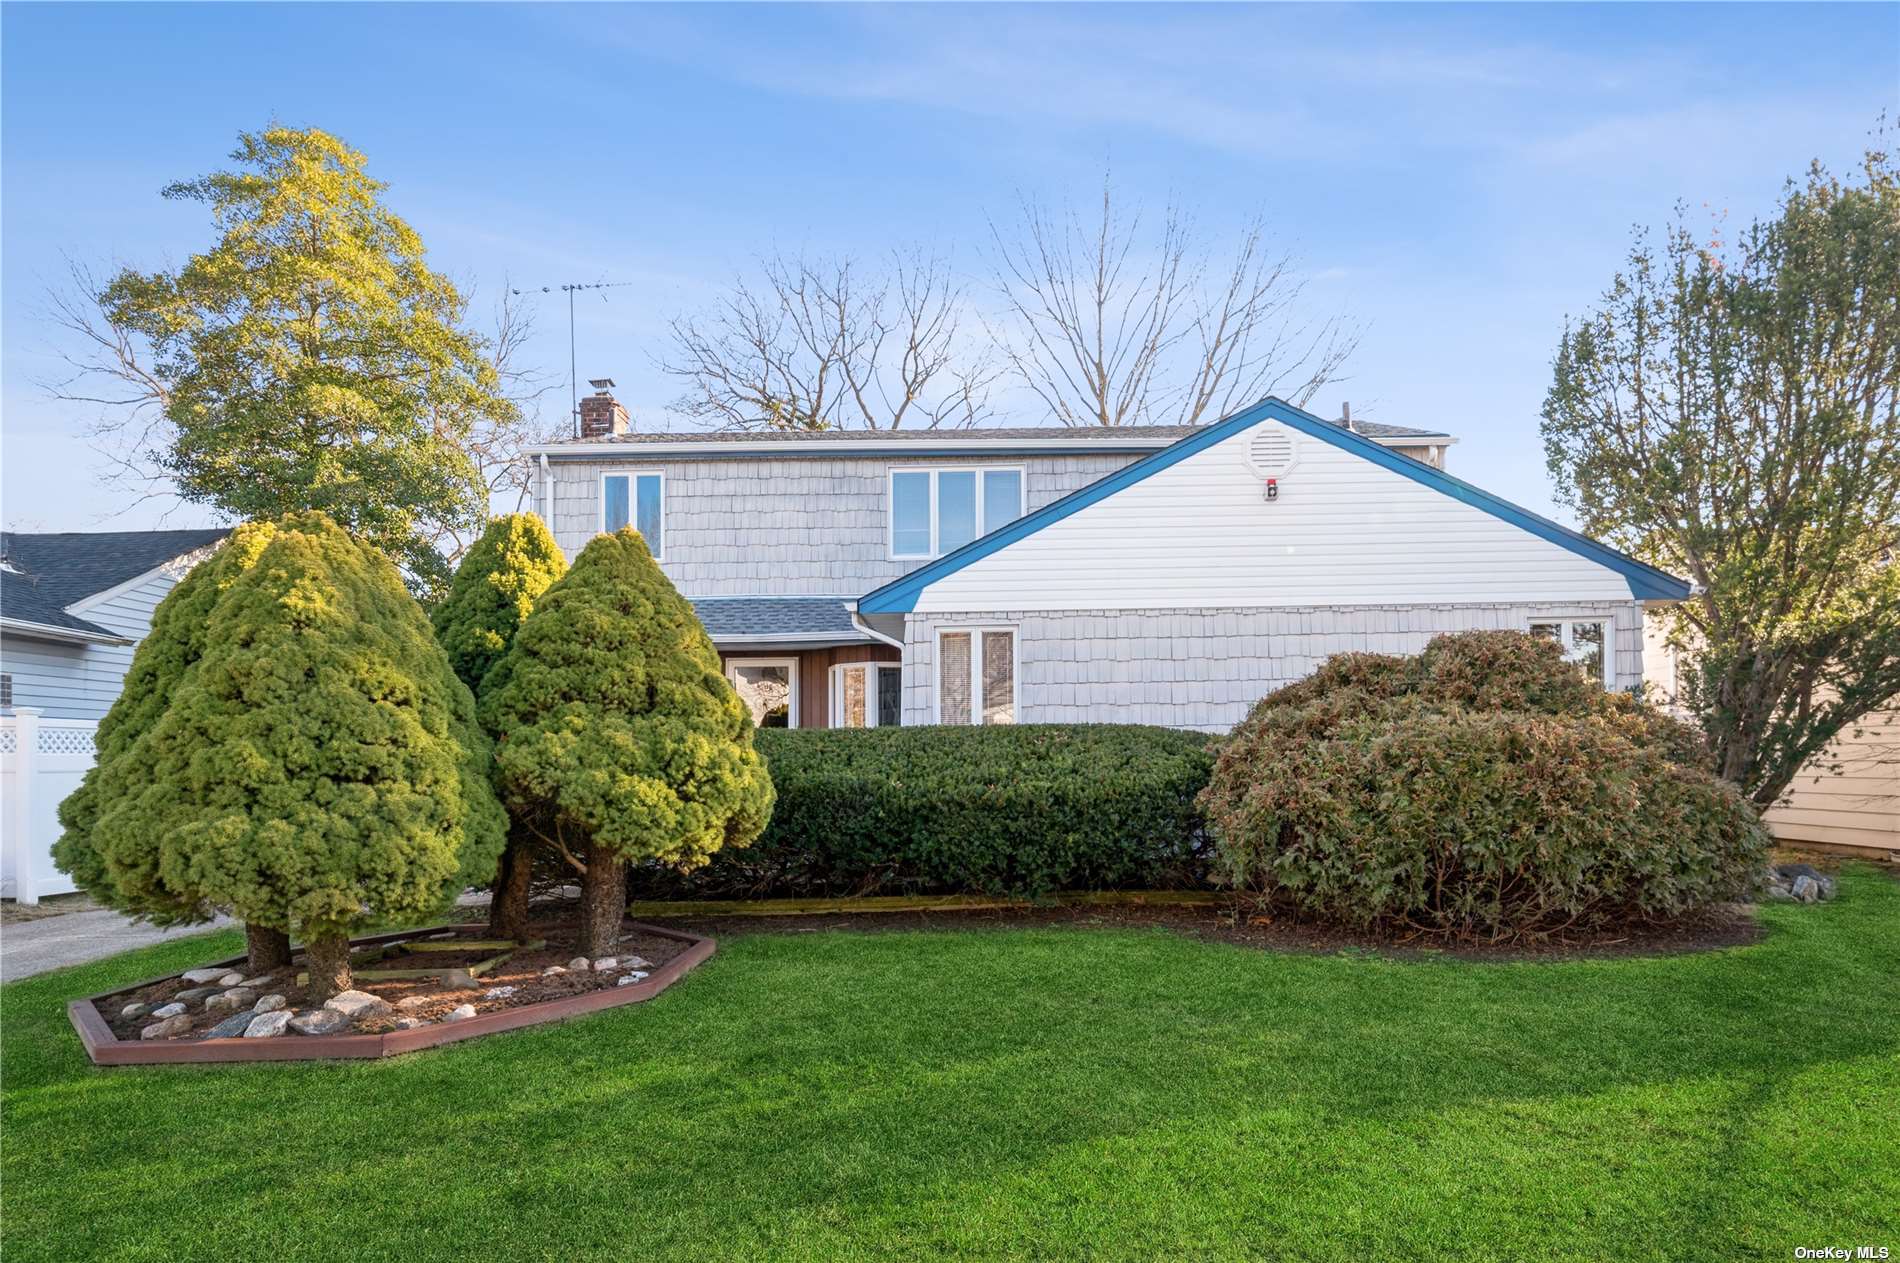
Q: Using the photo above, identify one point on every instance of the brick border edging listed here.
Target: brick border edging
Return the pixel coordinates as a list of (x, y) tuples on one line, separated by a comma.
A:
[(107, 1049)]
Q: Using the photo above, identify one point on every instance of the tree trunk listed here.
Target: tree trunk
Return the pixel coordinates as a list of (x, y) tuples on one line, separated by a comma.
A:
[(268, 949), (508, 909), (603, 902), (327, 956)]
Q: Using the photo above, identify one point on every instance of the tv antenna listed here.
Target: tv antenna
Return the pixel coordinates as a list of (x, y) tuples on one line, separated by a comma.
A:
[(573, 393)]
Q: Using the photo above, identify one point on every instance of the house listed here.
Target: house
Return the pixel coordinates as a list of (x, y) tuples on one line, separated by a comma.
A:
[(73, 606), (1141, 574)]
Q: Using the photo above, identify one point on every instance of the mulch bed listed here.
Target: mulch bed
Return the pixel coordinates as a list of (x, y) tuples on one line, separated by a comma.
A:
[(1730, 926), (430, 999)]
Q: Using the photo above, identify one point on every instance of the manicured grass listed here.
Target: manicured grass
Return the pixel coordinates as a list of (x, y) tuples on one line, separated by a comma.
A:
[(1050, 1093)]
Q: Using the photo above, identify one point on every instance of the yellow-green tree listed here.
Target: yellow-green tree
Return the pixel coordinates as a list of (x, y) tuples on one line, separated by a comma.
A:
[(617, 736), (495, 587), (310, 358)]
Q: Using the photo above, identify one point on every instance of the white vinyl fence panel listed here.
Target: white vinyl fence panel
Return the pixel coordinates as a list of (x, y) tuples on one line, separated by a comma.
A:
[(41, 761)]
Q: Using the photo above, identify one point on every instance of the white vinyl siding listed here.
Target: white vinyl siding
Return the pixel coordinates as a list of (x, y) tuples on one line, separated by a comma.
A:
[(1342, 531)]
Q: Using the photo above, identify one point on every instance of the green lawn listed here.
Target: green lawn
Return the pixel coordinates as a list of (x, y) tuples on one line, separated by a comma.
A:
[(1049, 1093)]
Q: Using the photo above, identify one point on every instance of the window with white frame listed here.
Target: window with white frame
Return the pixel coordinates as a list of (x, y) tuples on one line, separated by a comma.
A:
[(976, 675), (867, 695), (637, 500), (936, 511), (1585, 641)]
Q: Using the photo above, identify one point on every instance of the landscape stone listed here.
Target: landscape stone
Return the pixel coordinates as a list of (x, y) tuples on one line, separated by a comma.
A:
[(231, 979), (269, 1004), (578, 963), (604, 963), (1806, 889), (635, 962), (206, 975), (552, 970), (265, 1025), (410, 1002), (178, 1024), (229, 1001), (195, 993), (409, 1023), (320, 1022), (135, 1010), (498, 993), (460, 1013), (262, 980), (355, 1004), (169, 1010), (231, 1027), (461, 979)]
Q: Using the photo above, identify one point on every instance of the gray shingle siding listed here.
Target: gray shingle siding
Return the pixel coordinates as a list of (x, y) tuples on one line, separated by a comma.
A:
[(787, 527), (1204, 668)]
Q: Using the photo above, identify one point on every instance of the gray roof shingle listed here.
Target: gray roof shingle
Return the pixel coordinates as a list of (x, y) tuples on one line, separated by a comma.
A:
[(1160, 434), (70, 566), (730, 616)]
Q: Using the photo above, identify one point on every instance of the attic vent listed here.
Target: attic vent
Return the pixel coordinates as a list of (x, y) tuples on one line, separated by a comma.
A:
[(1272, 453)]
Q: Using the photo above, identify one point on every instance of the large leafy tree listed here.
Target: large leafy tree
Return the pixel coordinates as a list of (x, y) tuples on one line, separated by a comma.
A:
[(494, 588), (319, 768), (617, 736), (129, 877), (310, 359), (1732, 412)]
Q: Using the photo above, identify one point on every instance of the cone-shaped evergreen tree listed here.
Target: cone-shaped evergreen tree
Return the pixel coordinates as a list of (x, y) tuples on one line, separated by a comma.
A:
[(130, 880), (319, 767), (495, 586), (617, 735)]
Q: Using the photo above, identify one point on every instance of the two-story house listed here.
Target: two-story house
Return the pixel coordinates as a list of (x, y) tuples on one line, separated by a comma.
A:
[(1141, 574)]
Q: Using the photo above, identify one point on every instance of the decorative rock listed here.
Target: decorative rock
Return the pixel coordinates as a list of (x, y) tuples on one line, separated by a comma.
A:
[(552, 970), (169, 1010), (262, 980), (635, 962), (460, 1013), (265, 1025), (461, 979), (578, 963), (1779, 893), (269, 1004), (627, 980), (135, 1010), (206, 975), (604, 963), (195, 993), (320, 1022), (175, 1025), (1806, 889), (412, 1002), (409, 1023), (498, 993), (355, 1004), (231, 1001), (231, 1027), (231, 979)]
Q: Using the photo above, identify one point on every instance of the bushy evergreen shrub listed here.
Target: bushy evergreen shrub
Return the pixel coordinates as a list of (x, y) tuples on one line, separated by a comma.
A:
[(1005, 809), (1491, 790), (618, 736)]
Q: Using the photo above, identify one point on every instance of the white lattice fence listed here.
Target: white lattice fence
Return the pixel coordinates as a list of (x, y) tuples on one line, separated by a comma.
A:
[(41, 761)]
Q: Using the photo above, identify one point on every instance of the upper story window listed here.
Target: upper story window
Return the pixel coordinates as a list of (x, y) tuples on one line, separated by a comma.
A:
[(935, 511), (1585, 642), (637, 500)]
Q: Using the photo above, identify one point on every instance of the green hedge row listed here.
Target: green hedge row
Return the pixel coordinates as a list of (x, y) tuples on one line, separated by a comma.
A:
[(1018, 810)]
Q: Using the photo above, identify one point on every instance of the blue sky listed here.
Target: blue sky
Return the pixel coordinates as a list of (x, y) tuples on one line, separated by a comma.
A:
[(1457, 179)]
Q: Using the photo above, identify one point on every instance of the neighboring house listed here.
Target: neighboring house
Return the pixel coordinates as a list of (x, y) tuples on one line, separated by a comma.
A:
[(73, 606), (1140, 574), (1846, 800), (72, 609)]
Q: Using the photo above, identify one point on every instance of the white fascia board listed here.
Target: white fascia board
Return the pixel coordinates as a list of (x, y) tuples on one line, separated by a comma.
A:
[(882, 447), (65, 635)]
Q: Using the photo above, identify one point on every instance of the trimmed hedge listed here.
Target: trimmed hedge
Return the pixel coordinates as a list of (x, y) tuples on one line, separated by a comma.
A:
[(1481, 789), (1020, 810)]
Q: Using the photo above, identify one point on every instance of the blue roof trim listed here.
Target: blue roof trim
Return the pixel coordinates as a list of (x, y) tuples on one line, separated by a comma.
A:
[(1647, 583)]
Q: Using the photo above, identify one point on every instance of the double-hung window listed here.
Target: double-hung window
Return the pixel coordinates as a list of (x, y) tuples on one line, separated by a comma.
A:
[(1585, 642), (935, 511), (976, 676), (637, 500)]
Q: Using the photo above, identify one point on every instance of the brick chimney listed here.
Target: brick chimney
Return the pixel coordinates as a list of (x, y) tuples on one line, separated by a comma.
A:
[(601, 414)]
